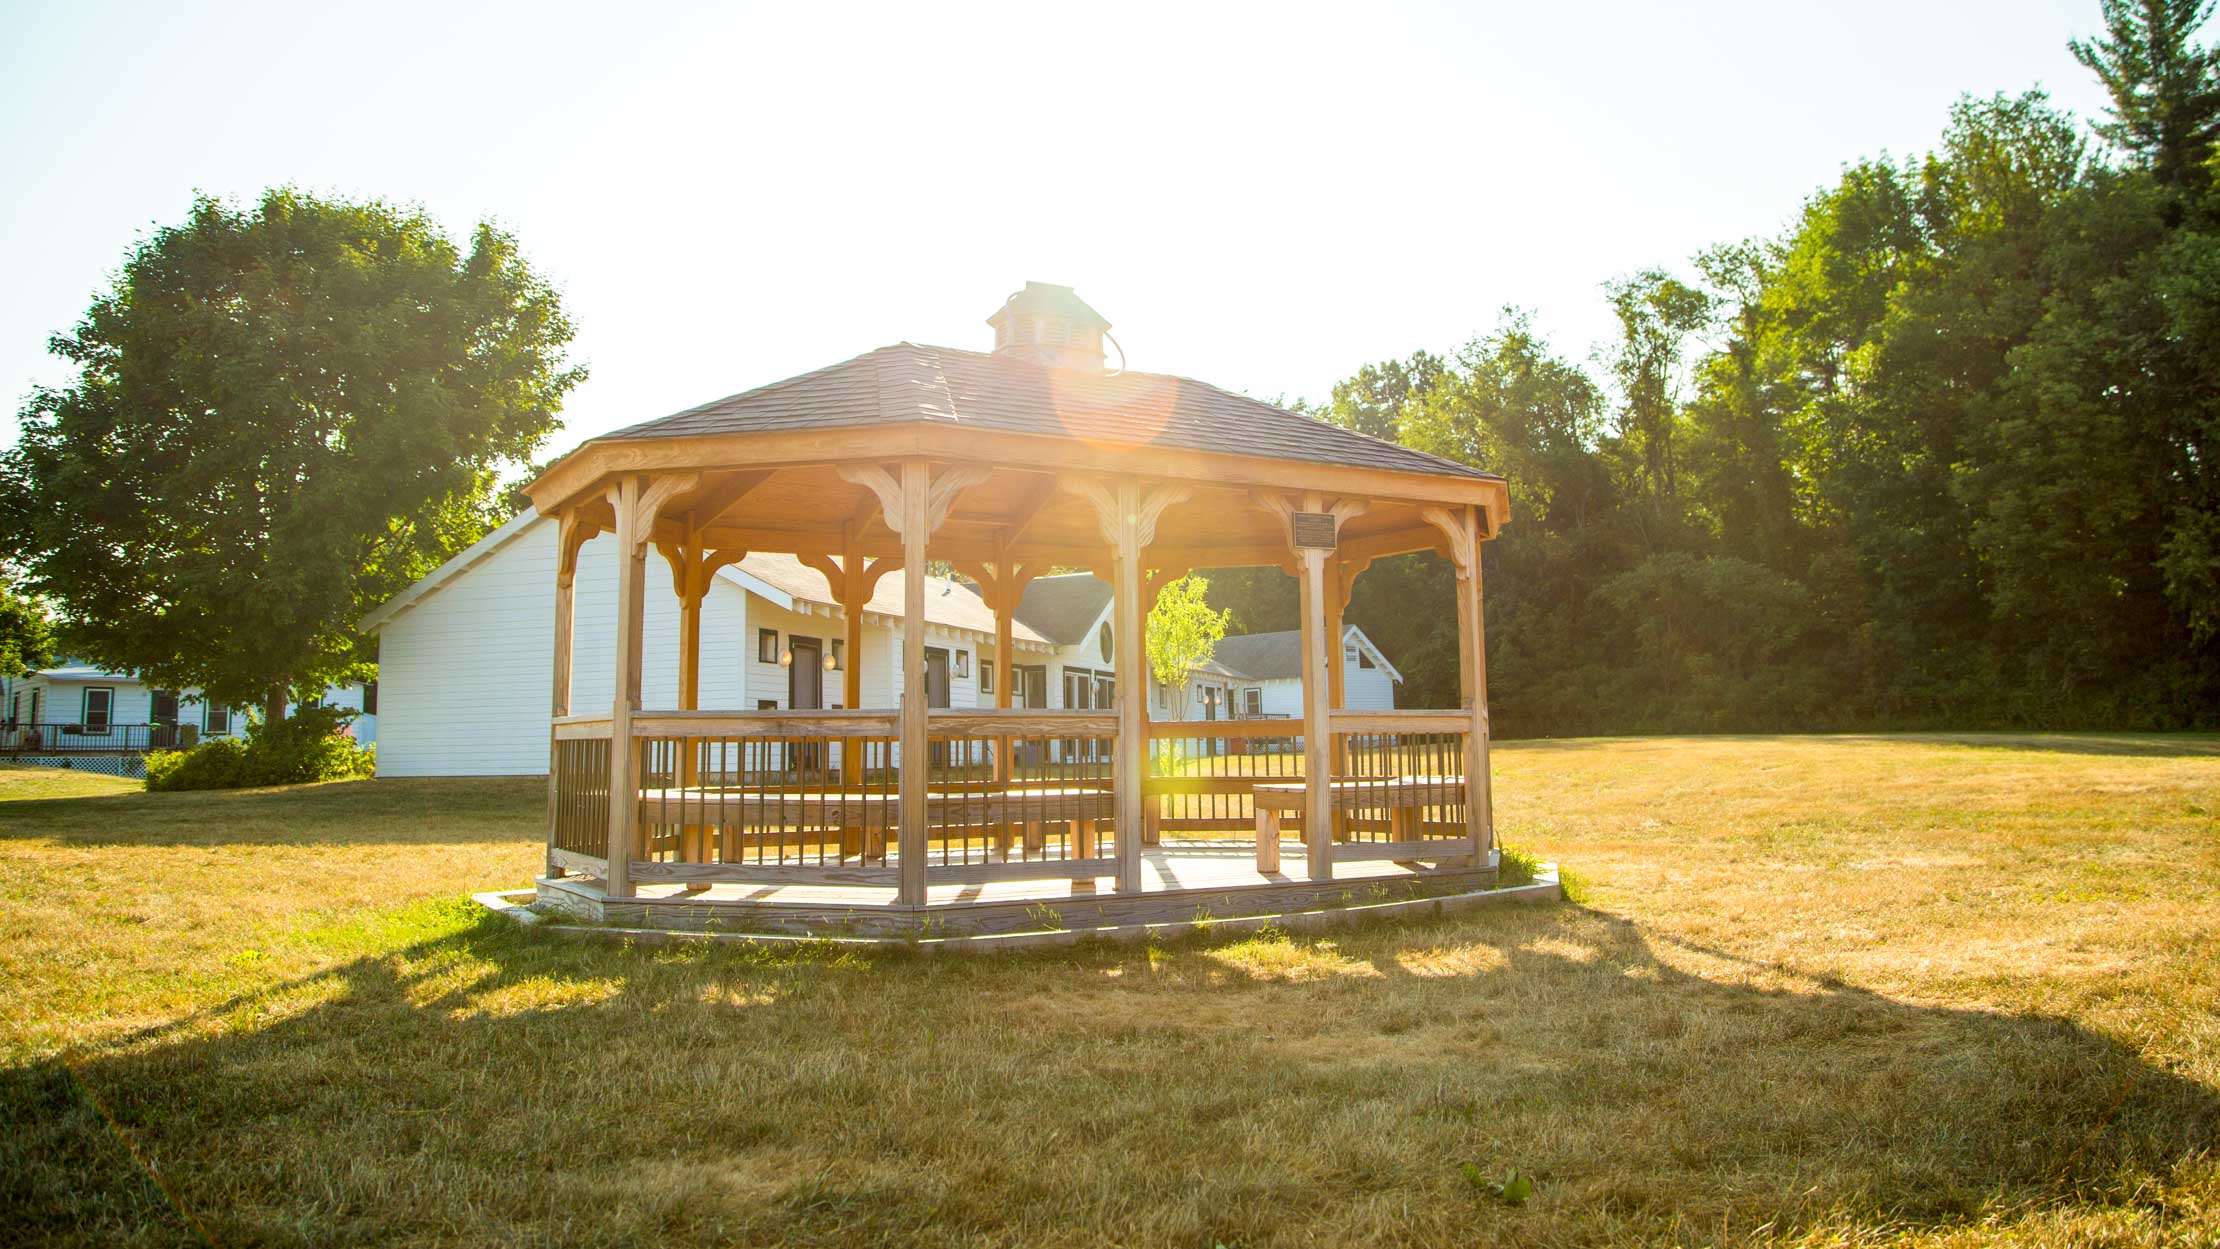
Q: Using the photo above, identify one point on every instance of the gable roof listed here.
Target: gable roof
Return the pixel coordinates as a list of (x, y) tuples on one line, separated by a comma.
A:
[(781, 580), (1062, 608), (908, 382), (1279, 656), (948, 602)]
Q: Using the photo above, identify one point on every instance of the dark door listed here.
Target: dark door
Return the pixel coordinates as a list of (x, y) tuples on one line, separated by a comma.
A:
[(805, 691), (936, 677), (805, 680), (936, 695)]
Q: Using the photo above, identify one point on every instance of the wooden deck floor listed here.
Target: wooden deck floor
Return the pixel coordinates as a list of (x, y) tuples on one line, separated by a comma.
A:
[(1180, 880)]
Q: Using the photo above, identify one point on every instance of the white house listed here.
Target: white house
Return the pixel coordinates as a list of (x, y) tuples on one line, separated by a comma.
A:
[(76, 706), (466, 672), (1254, 675), (465, 663)]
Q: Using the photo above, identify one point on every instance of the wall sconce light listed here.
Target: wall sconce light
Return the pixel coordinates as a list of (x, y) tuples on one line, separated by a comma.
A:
[(786, 656), (828, 661)]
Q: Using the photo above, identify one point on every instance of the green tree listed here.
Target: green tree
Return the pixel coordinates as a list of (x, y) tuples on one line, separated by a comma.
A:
[(1183, 633), (26, 633), (283, 413), (1658, 313), (1372, 401), (2165, 90)]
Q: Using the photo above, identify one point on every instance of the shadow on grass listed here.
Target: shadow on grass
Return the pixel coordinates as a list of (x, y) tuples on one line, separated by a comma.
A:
[(498, 1084), (334, 813)]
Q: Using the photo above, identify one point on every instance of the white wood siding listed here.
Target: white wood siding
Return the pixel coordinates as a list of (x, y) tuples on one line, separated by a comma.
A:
[(465, 676)]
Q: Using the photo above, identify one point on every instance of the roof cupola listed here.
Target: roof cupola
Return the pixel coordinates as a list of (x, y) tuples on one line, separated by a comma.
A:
[(1050, 325)]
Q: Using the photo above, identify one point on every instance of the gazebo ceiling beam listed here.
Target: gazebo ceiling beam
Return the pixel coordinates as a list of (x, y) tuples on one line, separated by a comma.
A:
[(721, 492), (1029, 510)]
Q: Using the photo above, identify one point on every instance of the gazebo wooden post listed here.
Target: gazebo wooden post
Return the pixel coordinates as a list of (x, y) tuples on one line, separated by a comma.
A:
[(914, 836), (1337, 695), (1472, 626), (624, 755), (1317, 721), (566, 601), (1006, 590), (1129, 647), (690, 578)]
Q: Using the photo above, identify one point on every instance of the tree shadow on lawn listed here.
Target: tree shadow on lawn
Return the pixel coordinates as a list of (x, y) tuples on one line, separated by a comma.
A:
[(499, 1084), (333, 813)]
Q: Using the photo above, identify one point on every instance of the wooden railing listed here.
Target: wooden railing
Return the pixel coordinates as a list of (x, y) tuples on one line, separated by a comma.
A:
[(815, 797), (1400, 784), (1018, 794), (1201, 772), (578, 794)]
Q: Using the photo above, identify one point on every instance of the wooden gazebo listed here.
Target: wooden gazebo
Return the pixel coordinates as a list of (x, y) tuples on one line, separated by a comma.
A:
[(1005, 465)]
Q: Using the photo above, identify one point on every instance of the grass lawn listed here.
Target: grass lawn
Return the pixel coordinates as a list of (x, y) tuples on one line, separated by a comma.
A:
[(1947, 990)]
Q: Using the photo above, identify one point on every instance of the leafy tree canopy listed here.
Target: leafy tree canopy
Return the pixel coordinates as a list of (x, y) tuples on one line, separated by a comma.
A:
[(283, 414), (26, 633), (1941, 453)]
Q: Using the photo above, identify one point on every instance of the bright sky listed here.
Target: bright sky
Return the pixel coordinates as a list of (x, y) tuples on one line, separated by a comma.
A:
[(1262, 197)]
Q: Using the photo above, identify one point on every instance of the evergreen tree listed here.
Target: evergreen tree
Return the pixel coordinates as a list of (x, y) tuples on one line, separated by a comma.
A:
[(2165, 90)]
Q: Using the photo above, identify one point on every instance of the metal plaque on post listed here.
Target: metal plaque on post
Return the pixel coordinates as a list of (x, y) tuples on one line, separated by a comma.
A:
[(1312, 530)]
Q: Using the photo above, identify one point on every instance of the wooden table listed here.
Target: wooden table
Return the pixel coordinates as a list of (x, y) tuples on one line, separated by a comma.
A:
[(1403, 797)]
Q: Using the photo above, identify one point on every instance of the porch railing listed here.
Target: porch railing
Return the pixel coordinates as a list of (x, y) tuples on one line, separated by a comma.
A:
[(75, 737)]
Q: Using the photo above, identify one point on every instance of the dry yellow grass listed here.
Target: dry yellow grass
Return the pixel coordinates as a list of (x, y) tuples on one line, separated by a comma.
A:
[(1947, 990)]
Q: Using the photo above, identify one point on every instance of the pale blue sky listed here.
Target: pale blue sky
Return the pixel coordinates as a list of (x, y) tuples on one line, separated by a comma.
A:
[(1263, 197)]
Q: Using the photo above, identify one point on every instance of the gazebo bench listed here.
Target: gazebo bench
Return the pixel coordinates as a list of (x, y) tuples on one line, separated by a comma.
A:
[(1404, 797)]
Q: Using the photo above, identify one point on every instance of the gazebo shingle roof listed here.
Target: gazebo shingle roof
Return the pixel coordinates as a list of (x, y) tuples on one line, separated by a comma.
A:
[(907, 383)]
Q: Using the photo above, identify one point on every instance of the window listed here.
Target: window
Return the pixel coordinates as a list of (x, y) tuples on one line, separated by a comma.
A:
[(100, 701), (839, 654), (1364, 660), (986, 676), (1106, 642), (766, 704), (1163, 696), (1254, 698), (963, 664), (370, 698), (216, 720), (162, 708), (766, 646)]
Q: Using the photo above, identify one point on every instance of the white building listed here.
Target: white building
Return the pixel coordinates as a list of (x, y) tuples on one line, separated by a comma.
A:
[(1255, 675), (466, 672), (74, 706)]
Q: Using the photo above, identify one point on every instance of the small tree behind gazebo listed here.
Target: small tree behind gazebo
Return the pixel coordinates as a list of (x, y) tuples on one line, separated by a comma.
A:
[(1184, 632)]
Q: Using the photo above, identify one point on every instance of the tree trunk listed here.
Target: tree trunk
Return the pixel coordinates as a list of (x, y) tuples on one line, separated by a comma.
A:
[(273, 706)]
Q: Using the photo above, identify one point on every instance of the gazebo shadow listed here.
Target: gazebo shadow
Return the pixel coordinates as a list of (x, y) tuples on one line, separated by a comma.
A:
[(502, 1079)]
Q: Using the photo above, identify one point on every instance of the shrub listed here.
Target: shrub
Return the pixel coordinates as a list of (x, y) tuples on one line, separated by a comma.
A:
[(310, 745), (218, 763)]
